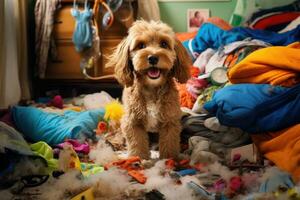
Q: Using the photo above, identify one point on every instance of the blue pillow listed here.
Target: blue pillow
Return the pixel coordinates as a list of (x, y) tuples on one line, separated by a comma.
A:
[(54, 128)]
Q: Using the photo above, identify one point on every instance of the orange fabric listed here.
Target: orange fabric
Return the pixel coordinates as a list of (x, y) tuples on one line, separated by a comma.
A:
[(231, 59), (185, 36), (282, 148), (276, 65), (221, 23), (138, 176), (185, 98), (195, 71), (133, 167)]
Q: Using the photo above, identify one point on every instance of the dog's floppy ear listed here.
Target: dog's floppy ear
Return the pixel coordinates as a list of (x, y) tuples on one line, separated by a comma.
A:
[(119, 60), (182, 64)]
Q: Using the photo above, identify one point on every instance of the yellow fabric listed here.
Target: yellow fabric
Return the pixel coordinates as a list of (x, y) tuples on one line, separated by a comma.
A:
[(276, 65), (113, 111), (282, 148)]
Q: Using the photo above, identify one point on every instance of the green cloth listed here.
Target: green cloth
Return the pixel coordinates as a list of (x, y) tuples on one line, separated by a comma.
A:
[(45, 151), (245, 8), (11, 139), (242, 11), (88, 169)]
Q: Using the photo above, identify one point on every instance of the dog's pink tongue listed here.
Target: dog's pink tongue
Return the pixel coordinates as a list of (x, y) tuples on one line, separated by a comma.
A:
[(153, 73)]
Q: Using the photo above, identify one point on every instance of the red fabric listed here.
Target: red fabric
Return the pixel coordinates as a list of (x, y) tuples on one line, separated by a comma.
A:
[(275, 19), (236, 183)]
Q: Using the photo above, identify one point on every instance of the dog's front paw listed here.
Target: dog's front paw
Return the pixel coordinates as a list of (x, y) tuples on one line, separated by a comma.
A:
[(168, 152)]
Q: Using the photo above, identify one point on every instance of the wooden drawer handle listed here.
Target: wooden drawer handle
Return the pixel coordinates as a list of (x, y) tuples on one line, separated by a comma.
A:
[(58, 22), (57, 61)]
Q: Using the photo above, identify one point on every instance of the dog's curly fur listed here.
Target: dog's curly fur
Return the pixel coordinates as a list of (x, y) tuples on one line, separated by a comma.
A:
[(151, 103)]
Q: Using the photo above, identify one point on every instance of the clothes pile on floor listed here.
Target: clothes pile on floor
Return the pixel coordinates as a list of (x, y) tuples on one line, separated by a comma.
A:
[(72, 149), (240, 118), (247, 78)]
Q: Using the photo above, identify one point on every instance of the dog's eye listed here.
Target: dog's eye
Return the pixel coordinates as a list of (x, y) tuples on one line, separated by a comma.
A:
[(141, 45), (164, 44)]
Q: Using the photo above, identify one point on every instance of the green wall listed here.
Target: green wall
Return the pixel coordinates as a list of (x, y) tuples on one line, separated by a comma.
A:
[(174, 13)]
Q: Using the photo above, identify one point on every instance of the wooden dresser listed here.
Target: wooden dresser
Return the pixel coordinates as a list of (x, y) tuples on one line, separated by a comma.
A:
[(63, 74)]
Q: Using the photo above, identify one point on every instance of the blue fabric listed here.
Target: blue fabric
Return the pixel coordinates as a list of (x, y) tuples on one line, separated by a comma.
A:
[(256, 108), (54, 128), (275, 181), (276, 39), (83, 33), (210, 36)]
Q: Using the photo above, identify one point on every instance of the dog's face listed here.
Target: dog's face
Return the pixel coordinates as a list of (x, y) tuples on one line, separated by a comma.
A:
[(150, 54), (151, 51)]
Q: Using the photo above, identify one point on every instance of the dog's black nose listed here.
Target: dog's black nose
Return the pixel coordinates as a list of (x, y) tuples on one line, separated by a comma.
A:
[(153, 60)]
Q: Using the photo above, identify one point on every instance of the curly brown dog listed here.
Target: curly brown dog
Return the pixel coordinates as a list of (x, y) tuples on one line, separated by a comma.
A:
[(146, 63)]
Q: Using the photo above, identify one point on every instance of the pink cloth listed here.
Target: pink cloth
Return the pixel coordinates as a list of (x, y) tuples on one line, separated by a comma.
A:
[(77, 146)]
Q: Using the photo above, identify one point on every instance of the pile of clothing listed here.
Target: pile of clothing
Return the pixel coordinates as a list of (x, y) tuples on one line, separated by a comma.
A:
[(272, 15), (76, 169), (251, 77), (70, 149), (239, 139)]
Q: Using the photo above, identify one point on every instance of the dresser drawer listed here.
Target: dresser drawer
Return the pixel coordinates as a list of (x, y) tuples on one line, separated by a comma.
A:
[(64, 23), (67, 63), (107, 48), (117, 30)]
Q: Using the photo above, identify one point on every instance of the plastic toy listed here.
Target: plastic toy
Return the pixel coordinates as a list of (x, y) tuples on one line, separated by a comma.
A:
[(186, 172), (86, 195)]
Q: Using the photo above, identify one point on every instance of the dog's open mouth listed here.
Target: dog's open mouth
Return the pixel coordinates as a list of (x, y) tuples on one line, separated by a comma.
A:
[(153, 72)]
